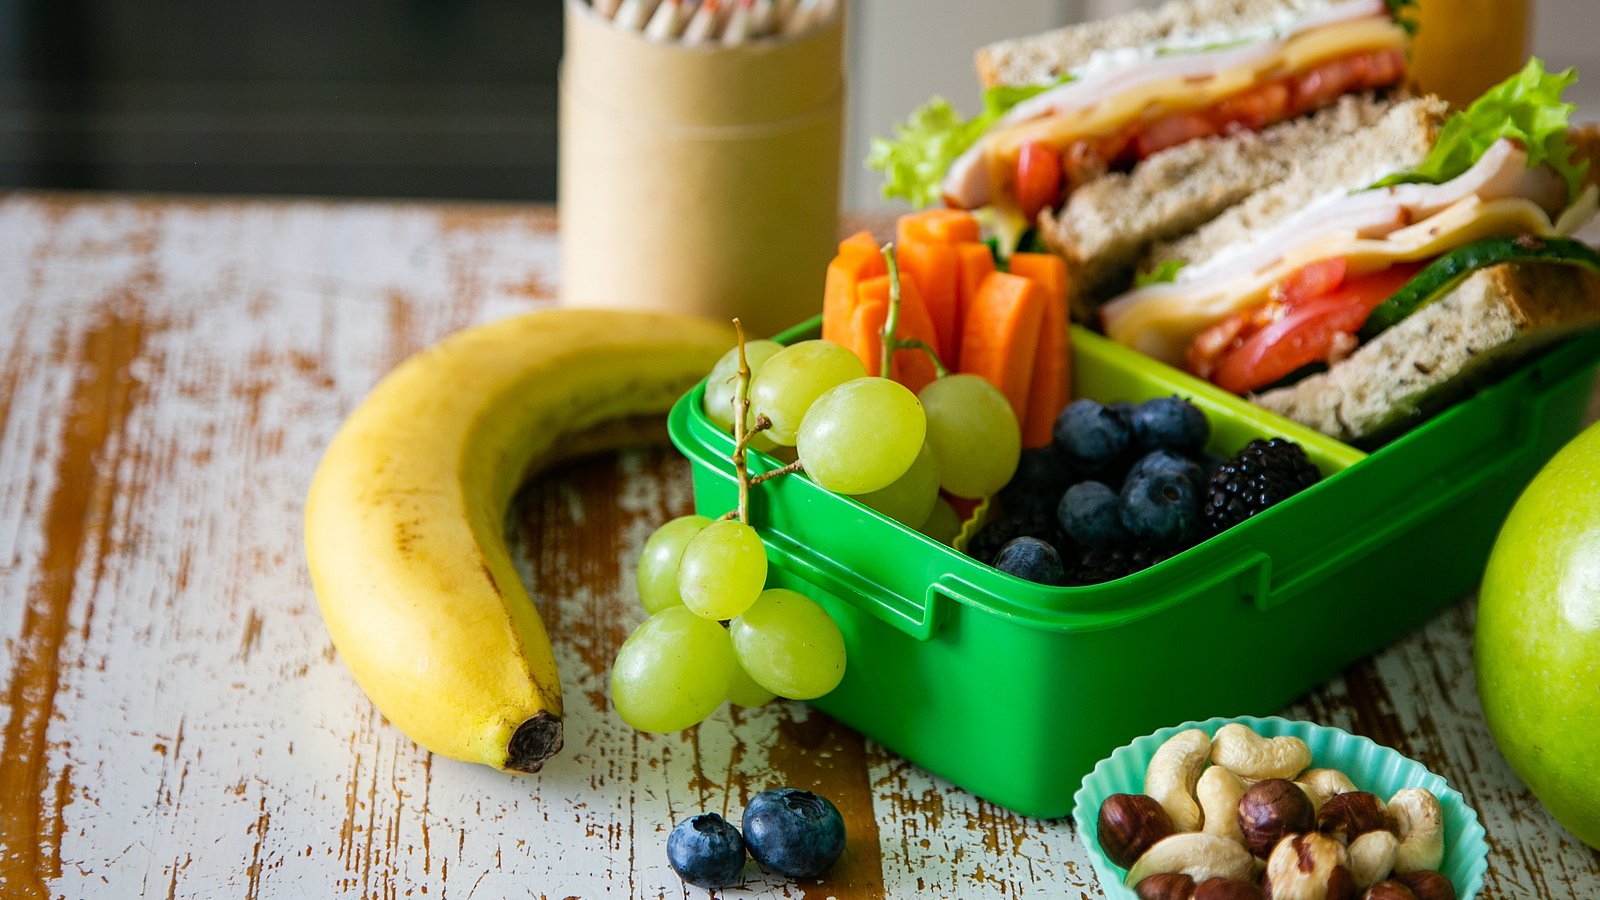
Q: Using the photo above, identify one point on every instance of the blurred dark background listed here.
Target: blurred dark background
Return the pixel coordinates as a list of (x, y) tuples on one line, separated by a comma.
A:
[(399, 98)]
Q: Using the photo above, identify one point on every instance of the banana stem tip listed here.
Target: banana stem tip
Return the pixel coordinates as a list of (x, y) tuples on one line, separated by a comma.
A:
[(535, 740)]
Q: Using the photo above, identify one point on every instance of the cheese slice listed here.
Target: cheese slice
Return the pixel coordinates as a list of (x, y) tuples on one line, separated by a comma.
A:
[(1154, 99), (1107, 102), (1164, 326)]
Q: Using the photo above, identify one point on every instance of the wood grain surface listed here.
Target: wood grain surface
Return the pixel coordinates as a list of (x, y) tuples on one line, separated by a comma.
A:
[(177, 723)]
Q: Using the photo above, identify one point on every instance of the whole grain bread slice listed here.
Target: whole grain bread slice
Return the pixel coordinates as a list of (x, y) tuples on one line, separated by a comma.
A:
[(1442, 351), (1399, 140), (1107, 224), (1041, 58)]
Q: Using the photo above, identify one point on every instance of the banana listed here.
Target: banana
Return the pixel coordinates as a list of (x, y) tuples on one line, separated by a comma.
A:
[(405, 517)]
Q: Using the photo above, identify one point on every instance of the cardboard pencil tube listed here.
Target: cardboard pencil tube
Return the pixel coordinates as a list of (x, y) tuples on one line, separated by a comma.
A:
[(699, 179)]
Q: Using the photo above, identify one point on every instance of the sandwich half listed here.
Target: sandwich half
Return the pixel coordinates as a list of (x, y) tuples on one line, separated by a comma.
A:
[(1067, 106), (1389, 270)]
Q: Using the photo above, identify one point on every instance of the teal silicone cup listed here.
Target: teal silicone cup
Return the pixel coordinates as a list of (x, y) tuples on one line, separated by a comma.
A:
[(1374, 768)]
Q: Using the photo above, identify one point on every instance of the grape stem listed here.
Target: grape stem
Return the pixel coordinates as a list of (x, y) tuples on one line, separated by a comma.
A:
[(891, 322), (789, 469), (741, 435)]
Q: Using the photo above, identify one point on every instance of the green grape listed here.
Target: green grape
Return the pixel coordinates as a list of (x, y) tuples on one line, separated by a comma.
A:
[(943, 524), (974, 434), (910, 498), (788, 645), (674, 670), (791, 381), (745, 692), (722, 385), (658, 564), (862, 435), (722, 570)]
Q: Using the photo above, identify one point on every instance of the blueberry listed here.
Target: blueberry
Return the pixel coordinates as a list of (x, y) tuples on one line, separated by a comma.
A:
[(1093, 438), (1042, 476), (1167, 461), (1169, 422), (1033, 559), (706, 851), (793, 833), (1090, 514), (1160, 506)]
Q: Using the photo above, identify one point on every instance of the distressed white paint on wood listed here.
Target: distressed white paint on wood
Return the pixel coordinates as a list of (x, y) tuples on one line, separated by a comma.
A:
[(169, 374)]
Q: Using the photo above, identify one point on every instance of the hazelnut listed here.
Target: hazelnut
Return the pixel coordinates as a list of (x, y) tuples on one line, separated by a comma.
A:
[(1166, 886), (1428, 885), (1271, 810), (1129, 825), (1388, 890), (1309, 867), (1227, 889), (1346, 817)]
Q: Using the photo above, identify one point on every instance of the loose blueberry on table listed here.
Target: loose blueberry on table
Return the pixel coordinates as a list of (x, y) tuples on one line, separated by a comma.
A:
[(793, 833), (706, 851)]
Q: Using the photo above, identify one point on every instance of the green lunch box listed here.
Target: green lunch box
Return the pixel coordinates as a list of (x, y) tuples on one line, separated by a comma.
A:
[(1013, 690)]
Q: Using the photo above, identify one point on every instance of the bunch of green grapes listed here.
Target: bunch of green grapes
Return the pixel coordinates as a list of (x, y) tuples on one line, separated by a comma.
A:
[(715, 631)]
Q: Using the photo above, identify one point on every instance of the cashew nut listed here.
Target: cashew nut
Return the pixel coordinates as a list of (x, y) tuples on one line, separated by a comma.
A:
[(1172, 774), (1321, 785), (1249, 755), (1420, 822), (1218, 792), (1196, 854), (1372, 857), (1309, 867)]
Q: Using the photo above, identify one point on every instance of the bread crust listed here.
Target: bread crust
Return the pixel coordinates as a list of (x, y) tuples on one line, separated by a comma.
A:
[(1107, 224), (1041, 58), (1447, 348), (1399, 141)]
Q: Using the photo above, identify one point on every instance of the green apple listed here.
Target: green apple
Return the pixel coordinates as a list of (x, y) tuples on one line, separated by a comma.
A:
[(1538, 640)]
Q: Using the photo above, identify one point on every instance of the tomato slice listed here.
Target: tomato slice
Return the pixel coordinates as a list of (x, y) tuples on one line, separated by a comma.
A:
[(1038, 178), (1311, 329), (1254, 109), (1311, 281), (1170, 131)]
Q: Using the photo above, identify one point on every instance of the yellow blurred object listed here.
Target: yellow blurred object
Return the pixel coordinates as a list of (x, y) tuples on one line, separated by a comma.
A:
[(1464, 47)]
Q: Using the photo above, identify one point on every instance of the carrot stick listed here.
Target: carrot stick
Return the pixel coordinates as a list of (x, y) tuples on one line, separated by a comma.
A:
[(861, 240), (1001, 339), (974, 262), (940, 226), (1051, 389), (934, 267), (852, 266), (912, 368)]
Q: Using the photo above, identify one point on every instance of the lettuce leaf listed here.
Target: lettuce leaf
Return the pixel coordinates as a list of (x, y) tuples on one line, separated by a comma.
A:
[(914, 162), (1404, 14), (1165, 273), (1527, 108)]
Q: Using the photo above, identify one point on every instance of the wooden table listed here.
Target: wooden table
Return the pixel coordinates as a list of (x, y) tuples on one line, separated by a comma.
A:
[(178, 724)]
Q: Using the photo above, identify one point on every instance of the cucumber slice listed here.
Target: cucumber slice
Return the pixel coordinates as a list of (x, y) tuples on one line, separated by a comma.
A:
[(1448, 270)]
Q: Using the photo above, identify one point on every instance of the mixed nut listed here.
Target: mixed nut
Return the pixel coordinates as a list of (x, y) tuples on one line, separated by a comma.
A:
[(1239, 816)]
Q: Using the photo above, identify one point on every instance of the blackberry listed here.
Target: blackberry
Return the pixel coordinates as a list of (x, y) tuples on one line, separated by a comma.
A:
[(1263, 473), (1091, 565)]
